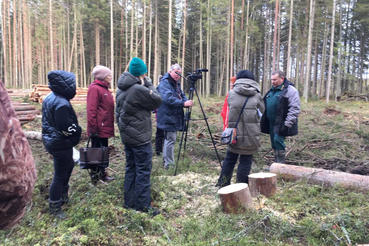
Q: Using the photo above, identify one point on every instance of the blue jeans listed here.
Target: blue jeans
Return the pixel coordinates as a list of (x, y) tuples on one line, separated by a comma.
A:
[(229, 163), (63, 167), (137, 186)]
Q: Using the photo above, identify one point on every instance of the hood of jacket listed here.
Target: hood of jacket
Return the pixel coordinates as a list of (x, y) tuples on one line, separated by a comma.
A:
[(101, 83), (126, 80), (246, 87), (62, 83)]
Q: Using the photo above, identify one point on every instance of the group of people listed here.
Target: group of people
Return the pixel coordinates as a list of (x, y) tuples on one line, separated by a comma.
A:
[(276, 114), (136, 98)]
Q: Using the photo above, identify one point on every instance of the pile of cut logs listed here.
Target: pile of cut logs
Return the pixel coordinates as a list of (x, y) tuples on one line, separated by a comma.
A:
[(25, 112), (39, 93)]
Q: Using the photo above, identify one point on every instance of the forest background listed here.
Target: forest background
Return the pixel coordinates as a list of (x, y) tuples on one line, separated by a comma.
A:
[(320, 44)]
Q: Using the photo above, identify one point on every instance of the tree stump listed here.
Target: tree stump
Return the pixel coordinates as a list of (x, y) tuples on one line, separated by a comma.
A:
[(17, 167), (235, 198), (263, 183)]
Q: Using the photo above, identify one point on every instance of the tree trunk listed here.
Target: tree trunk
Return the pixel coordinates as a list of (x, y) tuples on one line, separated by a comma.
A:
[(331, 53), (319, 176), (288, 71), (236, 198), (246, 54), (309, 50), (275, 34), (169, 51), (184, 30), (324, 55), (232, 41), (156, 48), (112, 45), (51, 35), (18, 171)]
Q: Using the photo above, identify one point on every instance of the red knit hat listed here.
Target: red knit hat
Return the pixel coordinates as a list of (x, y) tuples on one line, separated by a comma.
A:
[(100, 72)]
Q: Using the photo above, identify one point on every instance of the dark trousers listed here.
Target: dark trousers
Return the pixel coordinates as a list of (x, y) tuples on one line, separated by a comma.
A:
[(137, 186), (159, 139), (229, 163), (63, 167), (95, 143)]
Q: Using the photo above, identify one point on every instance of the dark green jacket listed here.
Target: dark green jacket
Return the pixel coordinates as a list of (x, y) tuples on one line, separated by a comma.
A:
[(134, 104)]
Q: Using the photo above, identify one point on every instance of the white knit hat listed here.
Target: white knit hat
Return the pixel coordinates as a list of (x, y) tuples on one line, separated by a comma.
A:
[(100, 72)]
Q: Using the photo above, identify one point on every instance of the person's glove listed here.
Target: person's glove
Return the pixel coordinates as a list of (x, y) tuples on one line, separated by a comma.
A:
[(147, 82), (94, 135)]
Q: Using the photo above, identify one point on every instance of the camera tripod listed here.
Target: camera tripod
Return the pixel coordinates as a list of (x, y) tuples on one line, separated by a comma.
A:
[(193, 78)]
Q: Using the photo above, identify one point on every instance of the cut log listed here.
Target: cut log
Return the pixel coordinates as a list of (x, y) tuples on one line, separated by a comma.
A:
[(23, 108), (321, 176), (30, 117), (33, 135), (18, 171), (235, 198), (263, 183), (28, 112)]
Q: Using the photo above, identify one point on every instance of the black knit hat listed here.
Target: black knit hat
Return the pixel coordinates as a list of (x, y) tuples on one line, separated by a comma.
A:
[(245, 74)]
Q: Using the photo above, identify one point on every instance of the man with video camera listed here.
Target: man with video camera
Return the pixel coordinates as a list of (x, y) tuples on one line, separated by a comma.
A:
[(170, 114)]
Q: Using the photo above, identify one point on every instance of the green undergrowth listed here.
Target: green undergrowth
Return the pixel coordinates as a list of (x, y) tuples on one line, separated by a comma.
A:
[(299, 214)]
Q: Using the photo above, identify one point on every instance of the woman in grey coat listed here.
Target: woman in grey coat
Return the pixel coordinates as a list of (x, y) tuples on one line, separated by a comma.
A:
[(248, 128)]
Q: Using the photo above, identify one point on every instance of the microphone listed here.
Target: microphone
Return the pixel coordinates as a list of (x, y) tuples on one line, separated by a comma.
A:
[(180, 75)]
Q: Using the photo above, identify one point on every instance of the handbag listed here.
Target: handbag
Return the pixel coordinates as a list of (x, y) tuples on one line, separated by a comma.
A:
[(93, 157), (229, 135)]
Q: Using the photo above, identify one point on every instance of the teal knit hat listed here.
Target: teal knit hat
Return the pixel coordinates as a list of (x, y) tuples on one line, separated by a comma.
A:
[(137, 67)]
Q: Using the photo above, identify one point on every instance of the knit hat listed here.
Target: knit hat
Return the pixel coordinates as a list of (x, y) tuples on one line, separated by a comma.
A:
[(137, 67), (233, 79), (245, 74), (100, 72)]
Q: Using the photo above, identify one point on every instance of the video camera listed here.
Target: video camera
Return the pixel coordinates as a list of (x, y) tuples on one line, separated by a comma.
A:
[(197, 74)]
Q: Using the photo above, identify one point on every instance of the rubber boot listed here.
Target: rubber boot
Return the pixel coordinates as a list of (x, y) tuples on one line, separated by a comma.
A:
[(55, 209), (280, 156), (64, 194)]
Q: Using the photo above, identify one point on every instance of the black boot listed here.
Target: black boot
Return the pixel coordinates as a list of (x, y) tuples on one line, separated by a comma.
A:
[(64, 194), (55, 209), (280, 156)]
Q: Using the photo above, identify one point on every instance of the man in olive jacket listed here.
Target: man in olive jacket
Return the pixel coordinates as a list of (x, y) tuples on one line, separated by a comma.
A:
[(282, 107), (135, 99)]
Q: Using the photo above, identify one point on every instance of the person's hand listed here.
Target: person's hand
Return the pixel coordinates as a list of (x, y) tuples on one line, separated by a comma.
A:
[(286, 124), (188, 103), (93, 135)]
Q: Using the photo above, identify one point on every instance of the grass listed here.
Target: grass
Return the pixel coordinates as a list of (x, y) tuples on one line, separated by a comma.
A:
[(299, 214)]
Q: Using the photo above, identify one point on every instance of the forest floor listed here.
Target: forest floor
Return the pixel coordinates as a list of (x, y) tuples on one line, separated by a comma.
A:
[(332, 136)]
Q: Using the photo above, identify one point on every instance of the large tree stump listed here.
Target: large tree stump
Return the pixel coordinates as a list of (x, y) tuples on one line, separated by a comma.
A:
[(17, 167), (235, 198), (263, 183), (321, 176)]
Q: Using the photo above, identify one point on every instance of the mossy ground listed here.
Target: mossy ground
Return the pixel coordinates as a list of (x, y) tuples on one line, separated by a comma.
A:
[(333, 136)]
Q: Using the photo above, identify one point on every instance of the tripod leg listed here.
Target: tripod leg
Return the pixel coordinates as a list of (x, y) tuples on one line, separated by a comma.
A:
[(186, 125), (207, 124)]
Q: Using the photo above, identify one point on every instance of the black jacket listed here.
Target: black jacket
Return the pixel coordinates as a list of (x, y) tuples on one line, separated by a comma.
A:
[(134, 104), (60, 129), (287, 112)]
